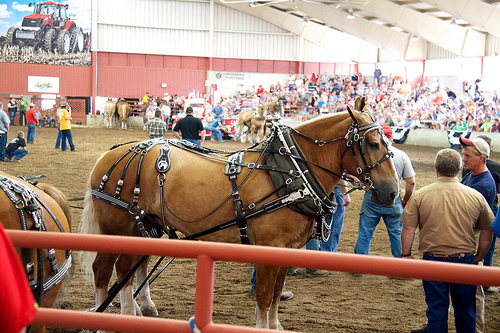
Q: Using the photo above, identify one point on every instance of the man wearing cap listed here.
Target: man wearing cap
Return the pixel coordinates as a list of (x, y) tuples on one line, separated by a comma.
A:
[(64, 118), (191, 128), (31, 119), (475, 153), (23, 106), (447, 214), (370, 213)]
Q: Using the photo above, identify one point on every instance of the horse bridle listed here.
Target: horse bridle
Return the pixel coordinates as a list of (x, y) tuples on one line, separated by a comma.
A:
[(359, 141)]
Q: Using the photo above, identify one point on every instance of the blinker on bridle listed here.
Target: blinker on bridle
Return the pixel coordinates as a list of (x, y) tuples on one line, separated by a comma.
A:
[(359, 141)]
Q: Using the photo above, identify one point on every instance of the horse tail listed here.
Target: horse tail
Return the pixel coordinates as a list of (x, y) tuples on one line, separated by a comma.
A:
[(89, 225)]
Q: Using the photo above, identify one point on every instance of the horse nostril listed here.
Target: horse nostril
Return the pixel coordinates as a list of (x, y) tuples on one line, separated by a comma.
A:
[(392, 196)]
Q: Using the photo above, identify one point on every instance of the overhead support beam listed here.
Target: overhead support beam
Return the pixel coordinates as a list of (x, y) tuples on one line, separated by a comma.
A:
[(475, 12)]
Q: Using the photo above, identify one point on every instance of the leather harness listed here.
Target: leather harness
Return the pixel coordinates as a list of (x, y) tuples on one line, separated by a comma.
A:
[(27, 202)]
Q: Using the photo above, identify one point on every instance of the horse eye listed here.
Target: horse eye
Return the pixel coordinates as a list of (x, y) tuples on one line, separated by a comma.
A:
[(374, 145)]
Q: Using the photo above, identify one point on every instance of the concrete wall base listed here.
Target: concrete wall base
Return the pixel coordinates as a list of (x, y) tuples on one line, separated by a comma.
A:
[(98, 120)]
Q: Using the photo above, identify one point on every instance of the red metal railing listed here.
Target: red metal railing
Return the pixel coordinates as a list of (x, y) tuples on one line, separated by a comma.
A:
[(206, 253)]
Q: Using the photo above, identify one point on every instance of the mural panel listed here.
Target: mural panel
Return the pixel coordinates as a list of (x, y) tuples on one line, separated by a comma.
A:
[(46, 32)]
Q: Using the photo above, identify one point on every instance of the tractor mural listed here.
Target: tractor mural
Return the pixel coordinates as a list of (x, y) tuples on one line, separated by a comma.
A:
[(49, 28)]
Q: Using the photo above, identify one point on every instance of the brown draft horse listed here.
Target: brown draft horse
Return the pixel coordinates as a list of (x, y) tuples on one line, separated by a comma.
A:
[(52, 208), (327, 145), (123, 109), (255, 121), (109, 113)]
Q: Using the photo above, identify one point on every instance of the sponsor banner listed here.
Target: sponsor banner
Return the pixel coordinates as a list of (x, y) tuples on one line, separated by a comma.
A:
[(42, 84)]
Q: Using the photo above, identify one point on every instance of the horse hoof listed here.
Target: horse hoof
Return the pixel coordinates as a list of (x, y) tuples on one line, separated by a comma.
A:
[(149, 311)]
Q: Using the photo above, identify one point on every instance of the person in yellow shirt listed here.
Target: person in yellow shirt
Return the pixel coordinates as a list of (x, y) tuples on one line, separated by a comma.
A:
[(64, 118), (146, 98)]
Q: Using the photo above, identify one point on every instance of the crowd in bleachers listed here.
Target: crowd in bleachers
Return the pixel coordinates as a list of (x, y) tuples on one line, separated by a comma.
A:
[(393, 101)]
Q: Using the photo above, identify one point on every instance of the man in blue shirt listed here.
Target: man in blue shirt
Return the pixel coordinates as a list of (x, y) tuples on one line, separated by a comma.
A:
[(217, 111)]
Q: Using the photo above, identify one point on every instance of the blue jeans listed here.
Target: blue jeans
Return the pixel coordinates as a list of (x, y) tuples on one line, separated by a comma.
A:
[(167, 121), (3, 144), (22, 118), (12, 115), (196, 142), (66, 134), (31, 132), (17, 154), (50, 121), (463, 298), (369, 218), (215, 133), (337, 225)]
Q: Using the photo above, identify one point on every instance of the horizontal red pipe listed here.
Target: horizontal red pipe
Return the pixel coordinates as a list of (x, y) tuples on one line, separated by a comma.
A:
[(125, 323), (417, 269)]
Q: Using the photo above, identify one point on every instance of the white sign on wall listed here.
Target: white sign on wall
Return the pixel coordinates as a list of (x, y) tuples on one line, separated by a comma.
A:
[(42, 84)]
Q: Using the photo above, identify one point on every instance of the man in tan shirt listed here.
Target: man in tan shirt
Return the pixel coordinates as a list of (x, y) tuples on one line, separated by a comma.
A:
[(447, 213)]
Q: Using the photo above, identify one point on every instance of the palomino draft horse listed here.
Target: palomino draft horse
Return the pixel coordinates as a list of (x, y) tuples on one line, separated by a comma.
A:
[(277, 192), (43, 208), (123, 109), (109, 113), (256, 123)]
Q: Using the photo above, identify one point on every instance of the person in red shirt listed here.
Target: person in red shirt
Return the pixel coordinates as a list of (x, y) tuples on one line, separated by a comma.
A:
[(32, 120), (17, 305), (260, 90)]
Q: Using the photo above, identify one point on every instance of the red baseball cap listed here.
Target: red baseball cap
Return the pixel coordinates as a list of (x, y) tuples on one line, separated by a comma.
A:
[(387, 131)]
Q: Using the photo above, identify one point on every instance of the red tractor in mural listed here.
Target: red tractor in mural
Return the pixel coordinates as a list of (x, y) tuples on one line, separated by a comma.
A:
[(49, 28)]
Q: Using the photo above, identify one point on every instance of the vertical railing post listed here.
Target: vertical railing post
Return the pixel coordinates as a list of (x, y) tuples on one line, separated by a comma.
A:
[(204, 291)]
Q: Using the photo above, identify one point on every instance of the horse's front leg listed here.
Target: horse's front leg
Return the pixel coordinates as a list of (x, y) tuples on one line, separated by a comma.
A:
[(266, 280), (278, 288), (127, 301), (148, 308)]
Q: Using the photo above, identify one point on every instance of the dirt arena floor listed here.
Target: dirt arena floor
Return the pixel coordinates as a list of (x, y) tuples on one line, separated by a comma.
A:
[(340, 302)]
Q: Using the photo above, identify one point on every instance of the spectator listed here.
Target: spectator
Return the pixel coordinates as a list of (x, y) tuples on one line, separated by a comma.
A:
[(217, 111), (486, 126), (370, 212), (448, 236), (156, 126), (12, 108), (166, 112), (191, 127), (475, 154), (4, 130), (23, 107), (49, 117), (211, 124), (64, 118), (32, 120), (16, 148), (377, 75)]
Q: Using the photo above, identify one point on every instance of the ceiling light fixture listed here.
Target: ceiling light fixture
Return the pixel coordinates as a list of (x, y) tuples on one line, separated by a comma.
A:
[(350, 16), (414, 37)]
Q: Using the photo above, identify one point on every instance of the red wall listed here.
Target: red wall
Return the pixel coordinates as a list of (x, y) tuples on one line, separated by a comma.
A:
[(131, 75), (73, 80)]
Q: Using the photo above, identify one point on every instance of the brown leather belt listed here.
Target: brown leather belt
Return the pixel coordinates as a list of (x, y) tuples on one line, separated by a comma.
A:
[(457, 255)]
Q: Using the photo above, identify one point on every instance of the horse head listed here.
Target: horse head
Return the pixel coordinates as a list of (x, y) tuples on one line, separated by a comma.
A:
[(261, 111), (370, 159)]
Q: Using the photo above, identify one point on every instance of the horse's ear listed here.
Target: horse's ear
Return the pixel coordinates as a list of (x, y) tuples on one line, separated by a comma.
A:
[(360, 103), (354, 114)]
